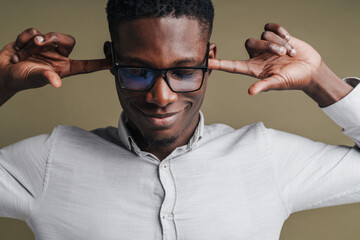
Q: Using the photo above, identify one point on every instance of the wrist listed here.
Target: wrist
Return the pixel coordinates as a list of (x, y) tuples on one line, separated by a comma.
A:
[(5, 94), (326, 87)]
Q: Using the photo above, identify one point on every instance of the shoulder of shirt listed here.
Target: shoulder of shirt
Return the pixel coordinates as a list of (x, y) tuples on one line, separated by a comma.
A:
[(249, 132), (106, 135)]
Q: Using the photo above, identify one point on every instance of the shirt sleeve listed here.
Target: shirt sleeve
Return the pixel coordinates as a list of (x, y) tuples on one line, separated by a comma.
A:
[(313, 174), (346, 112), (22, 173)]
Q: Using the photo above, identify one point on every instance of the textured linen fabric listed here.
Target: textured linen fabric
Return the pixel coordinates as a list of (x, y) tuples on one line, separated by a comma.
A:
[(224, 184)]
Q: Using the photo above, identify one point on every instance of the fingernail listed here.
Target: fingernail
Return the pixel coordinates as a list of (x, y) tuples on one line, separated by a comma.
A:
[(287, 37), (16, 48), (15, 58), (293, 52), (39, 39), (282, 50)]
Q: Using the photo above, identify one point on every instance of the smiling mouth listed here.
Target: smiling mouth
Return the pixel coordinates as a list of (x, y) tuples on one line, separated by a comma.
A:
[(161, 119), (160, 115)]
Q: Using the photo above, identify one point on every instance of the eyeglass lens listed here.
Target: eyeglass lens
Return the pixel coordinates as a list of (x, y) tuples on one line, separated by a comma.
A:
[(179, 79)]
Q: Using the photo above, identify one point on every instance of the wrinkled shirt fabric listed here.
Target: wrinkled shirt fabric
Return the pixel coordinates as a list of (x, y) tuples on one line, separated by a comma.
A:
[(224, 184)]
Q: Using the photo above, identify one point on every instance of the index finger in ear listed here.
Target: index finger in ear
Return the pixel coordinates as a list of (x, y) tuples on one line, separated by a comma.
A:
[(24, 37), (88, 66), (231, 66), (278, 29)]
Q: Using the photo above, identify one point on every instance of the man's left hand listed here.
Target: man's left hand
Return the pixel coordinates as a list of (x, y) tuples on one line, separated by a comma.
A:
[(285, 62)]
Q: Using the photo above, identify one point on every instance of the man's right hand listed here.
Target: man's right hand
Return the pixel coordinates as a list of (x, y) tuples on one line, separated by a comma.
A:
[(36, 59)]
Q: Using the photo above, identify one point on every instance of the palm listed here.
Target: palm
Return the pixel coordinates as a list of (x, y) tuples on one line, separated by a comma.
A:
[(284, 71), (30, 73), (36, 59), (42, 68)]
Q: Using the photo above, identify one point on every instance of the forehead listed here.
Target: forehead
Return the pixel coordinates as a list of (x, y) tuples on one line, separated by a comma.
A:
[(160, 39)]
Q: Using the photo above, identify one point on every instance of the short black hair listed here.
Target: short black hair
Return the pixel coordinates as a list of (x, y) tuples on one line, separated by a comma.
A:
[(200, 10)]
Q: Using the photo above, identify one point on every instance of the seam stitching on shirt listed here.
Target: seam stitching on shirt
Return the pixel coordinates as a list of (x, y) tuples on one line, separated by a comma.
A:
[(49, 163), (270, 154), (337, 196), (104, 141), (47, 170), (30, 193), (97, 137)]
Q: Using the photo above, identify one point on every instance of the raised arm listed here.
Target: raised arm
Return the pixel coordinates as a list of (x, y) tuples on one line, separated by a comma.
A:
[(309, 174), (37, 59)]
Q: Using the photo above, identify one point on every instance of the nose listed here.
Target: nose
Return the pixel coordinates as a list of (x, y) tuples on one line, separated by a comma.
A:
[(160, 94)]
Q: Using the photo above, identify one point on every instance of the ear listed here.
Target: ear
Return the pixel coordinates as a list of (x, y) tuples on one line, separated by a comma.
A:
[(107, 52), (212, 53), (212, 50)]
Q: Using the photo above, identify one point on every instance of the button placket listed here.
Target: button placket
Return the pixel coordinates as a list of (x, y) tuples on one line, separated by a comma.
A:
[(166, 216)]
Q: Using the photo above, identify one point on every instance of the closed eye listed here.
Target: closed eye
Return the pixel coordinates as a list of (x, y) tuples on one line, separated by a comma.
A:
[(185, 74)]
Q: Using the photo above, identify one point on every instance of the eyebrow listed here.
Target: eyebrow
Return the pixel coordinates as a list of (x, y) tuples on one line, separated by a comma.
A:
[(145, 63)]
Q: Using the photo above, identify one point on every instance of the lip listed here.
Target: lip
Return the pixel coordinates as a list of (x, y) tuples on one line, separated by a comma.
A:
[(160, 119)]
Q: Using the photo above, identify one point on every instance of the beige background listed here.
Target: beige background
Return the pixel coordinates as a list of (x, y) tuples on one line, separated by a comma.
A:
[(90, 101)]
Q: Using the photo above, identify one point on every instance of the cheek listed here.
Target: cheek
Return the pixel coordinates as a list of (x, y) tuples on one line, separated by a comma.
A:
[(200, 95), (127, 98), (196, 98)]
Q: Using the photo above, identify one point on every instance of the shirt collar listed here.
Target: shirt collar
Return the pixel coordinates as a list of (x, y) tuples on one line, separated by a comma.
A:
[(127, 140)]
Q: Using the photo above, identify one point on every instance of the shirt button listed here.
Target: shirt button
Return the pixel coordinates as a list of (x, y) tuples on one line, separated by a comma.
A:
[(164, 166)]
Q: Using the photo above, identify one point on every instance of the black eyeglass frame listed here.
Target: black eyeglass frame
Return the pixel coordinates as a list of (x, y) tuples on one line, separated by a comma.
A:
[(163, 71)]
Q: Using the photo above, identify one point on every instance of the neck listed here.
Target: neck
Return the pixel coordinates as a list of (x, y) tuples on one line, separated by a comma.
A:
[(164, 147), (162, 151)]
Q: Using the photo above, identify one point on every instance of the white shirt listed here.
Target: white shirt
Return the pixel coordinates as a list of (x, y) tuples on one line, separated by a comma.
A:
[(224, 184)]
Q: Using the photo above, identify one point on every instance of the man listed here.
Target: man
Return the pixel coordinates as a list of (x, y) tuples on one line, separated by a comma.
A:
[(162, 174)]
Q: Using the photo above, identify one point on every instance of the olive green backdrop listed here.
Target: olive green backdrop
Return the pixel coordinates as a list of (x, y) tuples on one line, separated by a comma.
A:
[(90, 101)]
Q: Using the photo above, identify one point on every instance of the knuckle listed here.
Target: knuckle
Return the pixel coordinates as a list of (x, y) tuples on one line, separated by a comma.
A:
[(263, 35), (21, 55), (266, 35), (250, 42), (71, 38), (70, 41), (268, 26), (73, 41), (85, 66), (52, 38), (32, 31), (18, 38)]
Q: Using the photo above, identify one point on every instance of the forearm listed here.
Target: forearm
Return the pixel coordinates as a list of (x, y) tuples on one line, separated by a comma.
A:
[(326, 87)]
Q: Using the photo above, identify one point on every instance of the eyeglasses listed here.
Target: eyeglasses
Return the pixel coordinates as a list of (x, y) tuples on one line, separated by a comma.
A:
[(179, 79)]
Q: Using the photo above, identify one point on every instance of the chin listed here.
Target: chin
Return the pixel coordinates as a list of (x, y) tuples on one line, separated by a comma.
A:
[(161, 138), (151, 141)]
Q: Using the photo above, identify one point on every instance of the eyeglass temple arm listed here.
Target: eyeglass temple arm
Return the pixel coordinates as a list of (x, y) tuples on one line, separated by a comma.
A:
[(113, 54), (207, 54)]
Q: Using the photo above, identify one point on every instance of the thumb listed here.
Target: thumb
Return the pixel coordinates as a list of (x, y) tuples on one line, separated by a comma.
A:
[(266, 84), (40, 77), (52, 78)]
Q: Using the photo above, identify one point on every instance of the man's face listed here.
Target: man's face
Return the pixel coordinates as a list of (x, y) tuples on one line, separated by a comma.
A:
[(160, 114)]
